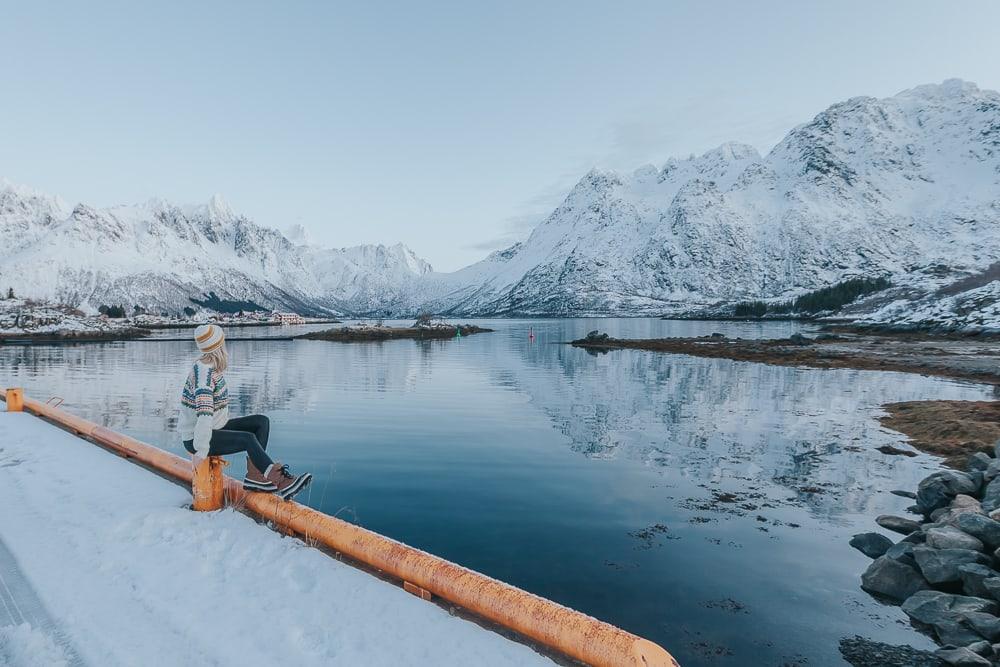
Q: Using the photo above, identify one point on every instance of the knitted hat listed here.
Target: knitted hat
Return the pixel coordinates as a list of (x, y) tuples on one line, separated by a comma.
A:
[(209, 338)]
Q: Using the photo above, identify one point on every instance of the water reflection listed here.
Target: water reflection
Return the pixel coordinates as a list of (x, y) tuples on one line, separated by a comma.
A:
[(645, 488)]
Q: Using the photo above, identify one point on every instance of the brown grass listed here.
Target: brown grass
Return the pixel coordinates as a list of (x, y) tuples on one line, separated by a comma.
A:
[(952, 429)]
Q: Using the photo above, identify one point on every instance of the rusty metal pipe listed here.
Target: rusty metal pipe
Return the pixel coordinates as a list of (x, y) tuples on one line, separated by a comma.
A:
[(568, 631)]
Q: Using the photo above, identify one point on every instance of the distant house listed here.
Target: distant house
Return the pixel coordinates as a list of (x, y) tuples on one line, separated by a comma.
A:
[(288, 318)]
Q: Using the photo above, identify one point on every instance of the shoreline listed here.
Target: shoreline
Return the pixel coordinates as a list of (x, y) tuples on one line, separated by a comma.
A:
[(376, 334), (958, 358)]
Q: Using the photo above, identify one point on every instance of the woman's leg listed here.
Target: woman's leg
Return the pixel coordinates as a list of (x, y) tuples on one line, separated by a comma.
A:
[(259, 425), (225, 442)]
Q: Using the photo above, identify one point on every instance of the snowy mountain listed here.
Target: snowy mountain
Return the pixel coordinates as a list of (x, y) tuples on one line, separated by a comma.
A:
[(907, 186), (165, 258), (868, 187)]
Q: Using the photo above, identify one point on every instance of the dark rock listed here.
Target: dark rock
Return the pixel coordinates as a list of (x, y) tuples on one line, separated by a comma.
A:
[(981, 527), (985, 624), (897, 524), (903, 552), (716, 334), (992, 470), (916, 537), (904, 494), (596, 336), (931, 607), (955, 632), (940, 566), (860, 652), (996, 449), (892, 578), (991, 496), (978, 478), (993, 586), (947, 537), (961, 657), (973, 575), (895, 451), (937, 490), (799, 339), (982, 648), (945, 612), (872, 545), (979, 461), (914, 509)]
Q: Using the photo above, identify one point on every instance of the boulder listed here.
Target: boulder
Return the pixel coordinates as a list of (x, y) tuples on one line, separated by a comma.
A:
[(996, 449), (982, 648), (940, 566), (893, 579), (937, 489), (904, 494), (973, 575), (955, 632), (933, 607), (903, 552), (981, 527), (916, 537), (992, 470), (961, 657), (962, 501), (978, 461), (960, 504), (872, 545), (985, 624), (993, 586), (991, 495), (947, 537), (897, 524), (978, 478)]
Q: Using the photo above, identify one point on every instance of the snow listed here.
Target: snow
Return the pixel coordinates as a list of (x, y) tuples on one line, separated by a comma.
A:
[(24, 646), (133, 577)]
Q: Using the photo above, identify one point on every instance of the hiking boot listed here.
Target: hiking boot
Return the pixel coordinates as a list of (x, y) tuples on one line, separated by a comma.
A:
[(255, 480), (287, 483)]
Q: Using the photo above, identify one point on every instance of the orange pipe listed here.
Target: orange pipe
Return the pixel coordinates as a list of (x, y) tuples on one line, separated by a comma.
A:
[(568, 631)]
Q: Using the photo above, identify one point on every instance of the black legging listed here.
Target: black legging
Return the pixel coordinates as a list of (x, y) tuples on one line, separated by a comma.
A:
[(242, 434)]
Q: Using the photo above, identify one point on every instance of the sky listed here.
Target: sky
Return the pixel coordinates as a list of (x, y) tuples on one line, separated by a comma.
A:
[(452, 127)]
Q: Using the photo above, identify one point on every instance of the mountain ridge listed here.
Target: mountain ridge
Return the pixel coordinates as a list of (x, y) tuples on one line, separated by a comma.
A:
[(895, 186)]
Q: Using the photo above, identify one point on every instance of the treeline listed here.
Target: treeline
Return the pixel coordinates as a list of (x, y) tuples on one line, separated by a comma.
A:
[(833, 297), (212, 301)]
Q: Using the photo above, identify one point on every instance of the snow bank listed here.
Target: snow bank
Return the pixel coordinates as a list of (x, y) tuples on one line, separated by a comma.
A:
[(134, 577), (28, 646)]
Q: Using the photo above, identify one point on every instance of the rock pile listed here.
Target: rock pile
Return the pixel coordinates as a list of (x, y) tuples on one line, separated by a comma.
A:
[(944, 571)]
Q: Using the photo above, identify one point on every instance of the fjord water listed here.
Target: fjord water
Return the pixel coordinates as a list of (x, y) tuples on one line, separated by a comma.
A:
[(702, 503)]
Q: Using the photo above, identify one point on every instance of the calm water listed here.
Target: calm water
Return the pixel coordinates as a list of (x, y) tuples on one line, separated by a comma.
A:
[(599, 481)]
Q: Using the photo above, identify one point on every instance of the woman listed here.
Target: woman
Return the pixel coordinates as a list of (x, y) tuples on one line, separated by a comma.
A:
[(207, 429)]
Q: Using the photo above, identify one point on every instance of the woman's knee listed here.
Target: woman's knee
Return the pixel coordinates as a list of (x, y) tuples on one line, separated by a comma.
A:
[(263, 429)]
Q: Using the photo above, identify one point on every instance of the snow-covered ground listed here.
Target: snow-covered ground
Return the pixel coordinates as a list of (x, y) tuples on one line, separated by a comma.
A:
[(20, 317), (133, 577)]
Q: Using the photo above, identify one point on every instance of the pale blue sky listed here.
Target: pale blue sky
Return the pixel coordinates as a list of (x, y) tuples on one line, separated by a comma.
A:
[(451, 127)]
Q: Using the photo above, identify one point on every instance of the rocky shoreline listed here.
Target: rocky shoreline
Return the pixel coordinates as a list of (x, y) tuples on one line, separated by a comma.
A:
[(943, 572), (359, 334), (959, 357), (76, 336)]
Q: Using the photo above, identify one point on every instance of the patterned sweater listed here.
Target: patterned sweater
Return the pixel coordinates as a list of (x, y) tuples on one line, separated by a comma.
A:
[(204, 405)]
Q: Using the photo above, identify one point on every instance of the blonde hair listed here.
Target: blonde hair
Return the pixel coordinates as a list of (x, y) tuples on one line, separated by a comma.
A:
[(217, 358)]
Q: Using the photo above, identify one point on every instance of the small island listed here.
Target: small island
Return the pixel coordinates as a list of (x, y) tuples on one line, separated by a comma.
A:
[(422, 329)]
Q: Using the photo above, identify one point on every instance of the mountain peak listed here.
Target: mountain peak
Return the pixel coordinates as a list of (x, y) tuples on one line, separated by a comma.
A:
[(949, 88), (298, 235), (219, 208)]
